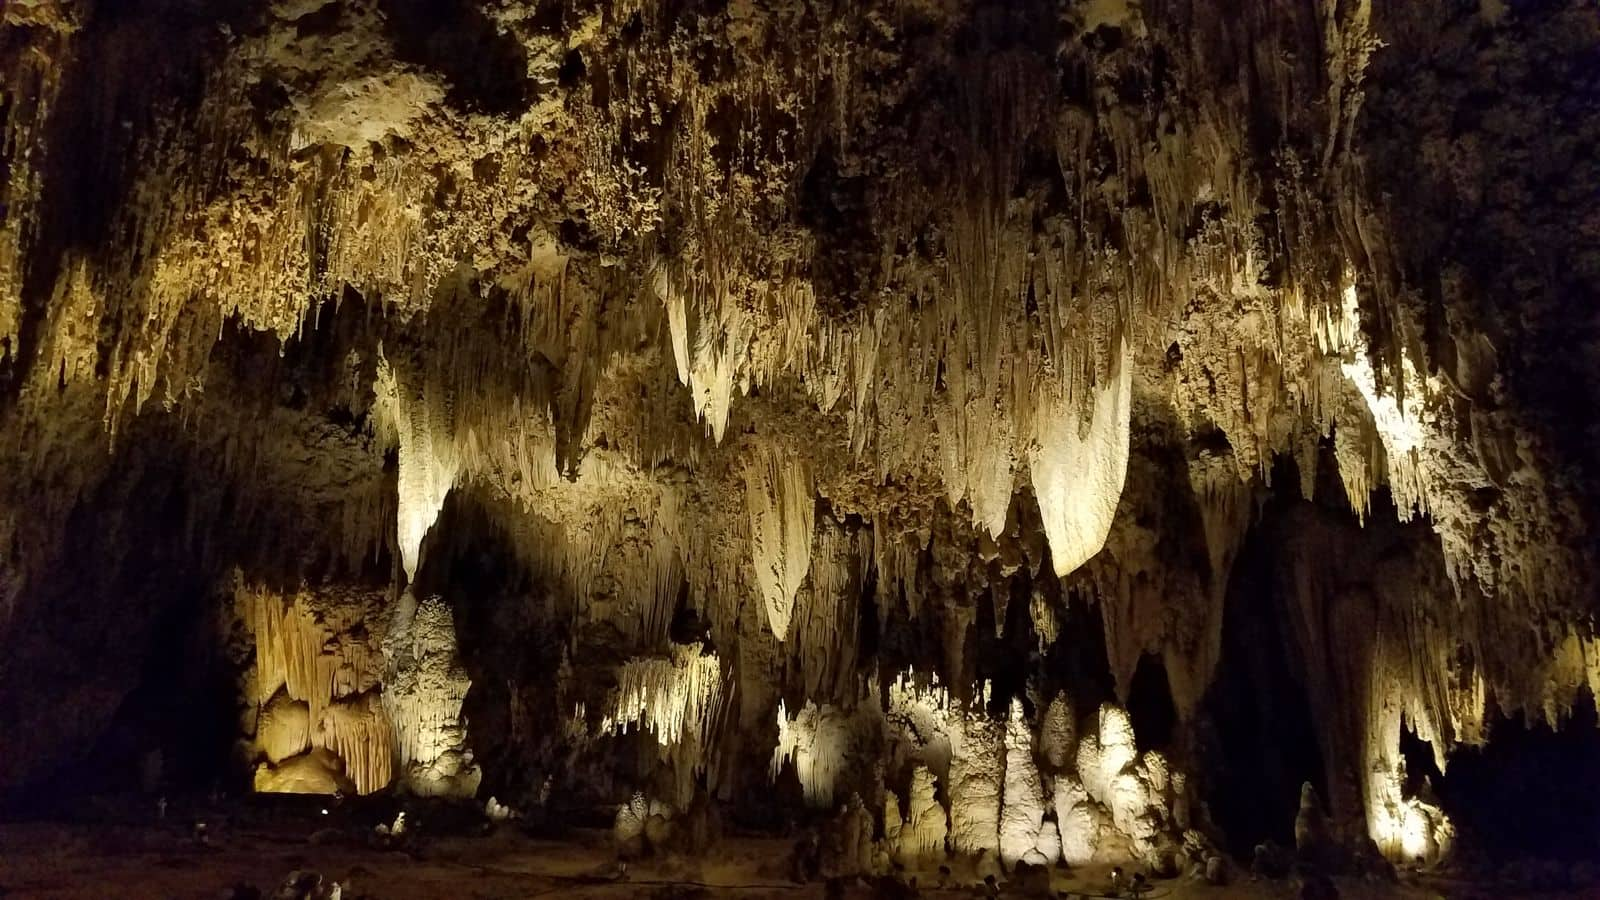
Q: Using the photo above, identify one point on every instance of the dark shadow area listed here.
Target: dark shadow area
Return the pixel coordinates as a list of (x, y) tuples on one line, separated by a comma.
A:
[(1256, 741), (1077, 661), (120, 638), (1531, 791), (510, 641), (1150, 706), (1007, 653), (487, 69)]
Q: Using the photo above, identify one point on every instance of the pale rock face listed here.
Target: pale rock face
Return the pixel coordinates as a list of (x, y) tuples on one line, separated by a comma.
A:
[(921, 836), (815, 741), (1080, 820), (316, 772), (284, 728), (423, 691), (1047, 850), (1022, 803), (977, 767)]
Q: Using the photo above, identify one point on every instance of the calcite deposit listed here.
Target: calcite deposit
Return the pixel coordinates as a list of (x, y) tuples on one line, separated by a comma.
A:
[(845, 411)]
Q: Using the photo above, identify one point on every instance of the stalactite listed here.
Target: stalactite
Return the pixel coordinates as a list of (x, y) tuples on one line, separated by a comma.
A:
[(782, 509), (1078, 468), (360, 734), (37, 40), (675, 698), (428, 461), (289, 643), (314, 682)]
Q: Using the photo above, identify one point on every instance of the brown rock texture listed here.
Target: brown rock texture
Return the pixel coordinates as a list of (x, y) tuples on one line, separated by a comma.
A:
[(630, 327)]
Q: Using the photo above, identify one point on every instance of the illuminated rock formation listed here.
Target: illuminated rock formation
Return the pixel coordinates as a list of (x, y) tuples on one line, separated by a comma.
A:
[(1022, 799), (920, 835), (739, 388)]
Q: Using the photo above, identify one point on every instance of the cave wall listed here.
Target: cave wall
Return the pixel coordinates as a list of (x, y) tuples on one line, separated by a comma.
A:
[(729, 315)]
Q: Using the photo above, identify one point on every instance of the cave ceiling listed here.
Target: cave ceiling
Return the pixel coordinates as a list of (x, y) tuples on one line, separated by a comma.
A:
[(752, 300)]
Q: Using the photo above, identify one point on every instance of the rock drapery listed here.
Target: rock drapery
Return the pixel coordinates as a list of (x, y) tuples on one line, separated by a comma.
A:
[(726, 312)]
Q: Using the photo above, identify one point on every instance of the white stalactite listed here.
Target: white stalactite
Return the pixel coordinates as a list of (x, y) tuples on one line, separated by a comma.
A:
[(427, 457), (782, 506), (1078, 467), (674, 698)]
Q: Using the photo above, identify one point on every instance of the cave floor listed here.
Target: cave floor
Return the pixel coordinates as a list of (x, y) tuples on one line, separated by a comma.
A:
[(47, 861)]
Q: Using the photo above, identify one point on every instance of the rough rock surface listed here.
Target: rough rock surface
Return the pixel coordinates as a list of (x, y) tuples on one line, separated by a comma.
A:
[(626, 328)]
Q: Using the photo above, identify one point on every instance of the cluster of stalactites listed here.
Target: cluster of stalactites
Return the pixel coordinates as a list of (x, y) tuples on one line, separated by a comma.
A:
[(675, 698), (314, 684)]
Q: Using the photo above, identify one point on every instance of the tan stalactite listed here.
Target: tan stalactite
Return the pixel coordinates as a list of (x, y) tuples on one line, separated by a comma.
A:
[(316, 683), (782, 508), (428, 460)]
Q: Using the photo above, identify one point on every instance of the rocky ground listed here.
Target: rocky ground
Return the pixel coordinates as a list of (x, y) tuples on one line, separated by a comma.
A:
[(260, 849)]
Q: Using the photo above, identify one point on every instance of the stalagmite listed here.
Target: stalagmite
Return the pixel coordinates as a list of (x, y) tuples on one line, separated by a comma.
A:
[(920, 836), (816, 741), (1078, 466), (977, 768), (1080, 820), (1104, 755), (1022, 799), (424, 687), (1058, 734)]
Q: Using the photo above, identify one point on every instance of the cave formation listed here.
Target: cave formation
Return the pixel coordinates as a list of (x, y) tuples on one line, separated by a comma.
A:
[(969, 433)]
